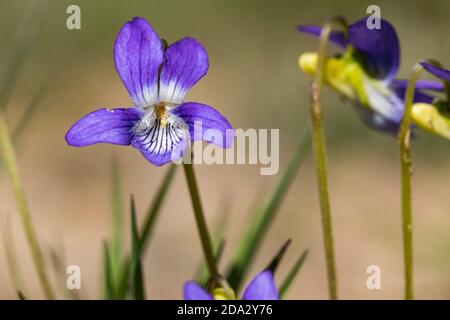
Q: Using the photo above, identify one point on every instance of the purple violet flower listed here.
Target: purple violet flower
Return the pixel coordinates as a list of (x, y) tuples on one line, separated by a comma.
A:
[(439, 72), (364, 73), (261, 287), (160, 124)]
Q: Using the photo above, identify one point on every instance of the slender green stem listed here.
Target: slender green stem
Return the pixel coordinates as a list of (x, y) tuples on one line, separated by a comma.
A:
[(319, 149), (405, 165), (13, 171), (404, 138), (322, 181), (218, 241), (200, 219)]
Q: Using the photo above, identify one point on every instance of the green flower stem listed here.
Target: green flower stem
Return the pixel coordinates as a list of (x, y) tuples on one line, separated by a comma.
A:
[(200, 219), (322, 181), (319, 148), (405, 165), (404, 139), (13, 171)]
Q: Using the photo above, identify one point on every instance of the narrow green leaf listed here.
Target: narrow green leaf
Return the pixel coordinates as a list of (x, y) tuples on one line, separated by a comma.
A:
[(116, 255), (123, 284), (137, 278), (256, 230), (29, 113), (273, 265), (12, 59), (9, 157), (148, 227), (219, 251), (108, 287), (286, 284), (17, 134), (154, 208)]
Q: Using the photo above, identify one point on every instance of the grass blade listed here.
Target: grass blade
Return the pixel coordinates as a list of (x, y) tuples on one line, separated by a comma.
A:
[(12, 59), (9, 157), (108, 287), (147, 228), (137, 278), (30, 111), (154, 209), (273, 265), (286, 284), (123, 284), (257, 229), (20, 129)]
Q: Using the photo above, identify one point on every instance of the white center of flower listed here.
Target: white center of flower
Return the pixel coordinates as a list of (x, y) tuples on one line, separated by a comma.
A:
[(159, 130)]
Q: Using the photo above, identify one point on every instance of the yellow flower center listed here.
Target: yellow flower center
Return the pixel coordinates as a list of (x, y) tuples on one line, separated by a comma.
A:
[(344, 74), (429, 117), (224, 294), (160, 111)]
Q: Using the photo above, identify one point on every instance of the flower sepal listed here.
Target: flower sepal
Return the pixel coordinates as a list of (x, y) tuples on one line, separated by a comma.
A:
[(434, 118)]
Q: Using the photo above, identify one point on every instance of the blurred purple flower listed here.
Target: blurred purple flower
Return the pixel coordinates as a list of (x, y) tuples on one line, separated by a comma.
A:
[(439, 72), (434, 116), (160, 125), (364, 73), (261, 287)]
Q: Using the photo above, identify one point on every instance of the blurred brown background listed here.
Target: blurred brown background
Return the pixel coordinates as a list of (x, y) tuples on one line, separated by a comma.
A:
[(254, 80)]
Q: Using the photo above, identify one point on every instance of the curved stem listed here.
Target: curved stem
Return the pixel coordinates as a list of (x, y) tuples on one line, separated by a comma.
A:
[(27, 223), (200, 219), (323, 42), (319, 148), (404, 138), (405, 165), (436, 63)]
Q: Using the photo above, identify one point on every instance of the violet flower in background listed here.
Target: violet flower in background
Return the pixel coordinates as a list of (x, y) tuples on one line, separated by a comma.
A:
[(261, 287), (364, 73), (160, 125), (434, 116)]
